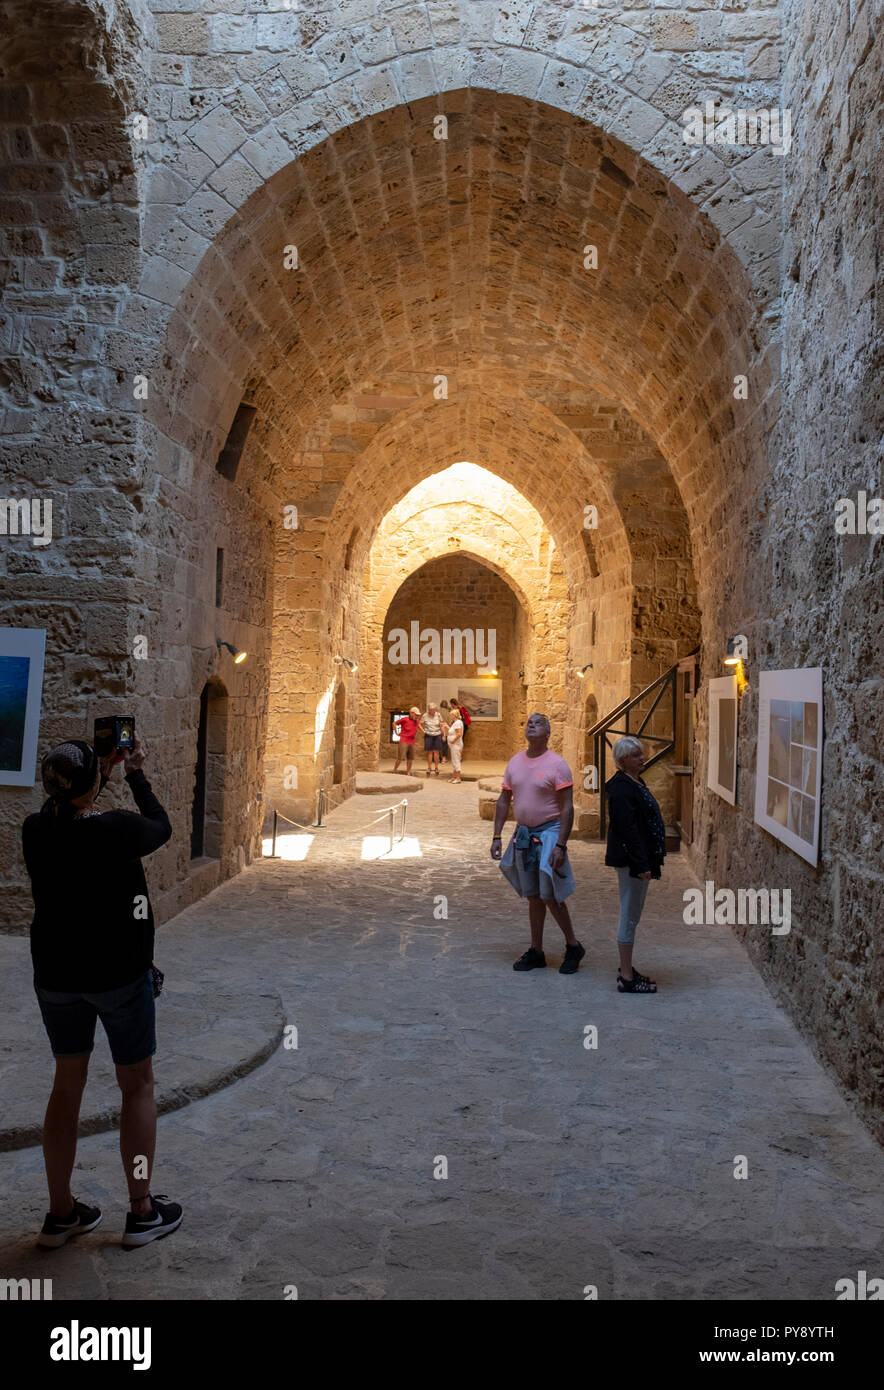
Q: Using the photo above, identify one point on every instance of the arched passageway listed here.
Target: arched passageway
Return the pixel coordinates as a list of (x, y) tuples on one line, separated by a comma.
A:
[(330, 306)]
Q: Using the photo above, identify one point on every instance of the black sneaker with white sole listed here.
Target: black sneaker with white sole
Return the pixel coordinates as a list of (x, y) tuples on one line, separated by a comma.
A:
[(165, 1218), (56, 1232)]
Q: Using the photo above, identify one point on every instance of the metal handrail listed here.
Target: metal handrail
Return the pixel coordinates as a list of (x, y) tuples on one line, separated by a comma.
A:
[(600, 731)]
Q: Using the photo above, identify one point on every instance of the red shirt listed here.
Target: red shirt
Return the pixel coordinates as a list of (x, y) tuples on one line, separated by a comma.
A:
[(407, 728)]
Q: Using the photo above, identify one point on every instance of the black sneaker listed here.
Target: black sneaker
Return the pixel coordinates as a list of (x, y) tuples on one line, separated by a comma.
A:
[(573, 956), (55, 1232), (165, 1218), (531, 960)]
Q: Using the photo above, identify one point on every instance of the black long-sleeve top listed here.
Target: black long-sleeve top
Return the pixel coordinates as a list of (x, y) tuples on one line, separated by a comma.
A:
[(636, 833), (93, 925)]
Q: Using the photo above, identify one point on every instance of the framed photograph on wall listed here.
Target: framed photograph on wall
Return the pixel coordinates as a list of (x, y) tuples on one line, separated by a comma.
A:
[(723, 710), (788, 775), (22, 651), (483, 696)]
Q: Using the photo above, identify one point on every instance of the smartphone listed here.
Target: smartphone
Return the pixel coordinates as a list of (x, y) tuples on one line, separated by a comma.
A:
[(115, 734)]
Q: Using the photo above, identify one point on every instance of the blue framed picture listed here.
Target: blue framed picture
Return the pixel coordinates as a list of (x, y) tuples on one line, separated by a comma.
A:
[(22, 651)]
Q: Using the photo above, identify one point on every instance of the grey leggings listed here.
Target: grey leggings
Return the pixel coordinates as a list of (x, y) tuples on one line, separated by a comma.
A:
[(633, 892)]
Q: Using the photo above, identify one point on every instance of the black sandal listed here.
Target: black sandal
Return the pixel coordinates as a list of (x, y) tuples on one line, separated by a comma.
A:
[(639, 984)]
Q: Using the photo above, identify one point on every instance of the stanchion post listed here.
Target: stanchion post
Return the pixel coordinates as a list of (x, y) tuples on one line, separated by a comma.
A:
[(275, 823), (319, 815), (392, 821)]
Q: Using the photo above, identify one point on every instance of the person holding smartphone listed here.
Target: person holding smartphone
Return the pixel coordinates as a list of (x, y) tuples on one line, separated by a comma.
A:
[(92, 941)]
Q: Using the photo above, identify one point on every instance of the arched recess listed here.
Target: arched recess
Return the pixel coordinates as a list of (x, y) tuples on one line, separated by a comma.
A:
[(483, 595), (207, 827), (661, 330), (544, 611)]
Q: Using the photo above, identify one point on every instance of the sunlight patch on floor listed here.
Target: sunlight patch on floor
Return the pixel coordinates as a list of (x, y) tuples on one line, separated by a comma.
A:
[(289, 846), (378, 847)]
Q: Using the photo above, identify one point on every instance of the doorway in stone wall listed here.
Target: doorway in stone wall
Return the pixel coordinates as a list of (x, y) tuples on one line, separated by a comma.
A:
[(340, 712), (207, 818), (590, 718)]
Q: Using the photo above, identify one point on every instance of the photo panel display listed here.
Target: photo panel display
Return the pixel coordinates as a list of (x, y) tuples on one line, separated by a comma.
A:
[(721, 776), (22, 653), (789, 769)]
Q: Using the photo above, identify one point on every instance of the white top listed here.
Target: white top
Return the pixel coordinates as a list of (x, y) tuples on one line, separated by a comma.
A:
[(432, 723), (455, 730)]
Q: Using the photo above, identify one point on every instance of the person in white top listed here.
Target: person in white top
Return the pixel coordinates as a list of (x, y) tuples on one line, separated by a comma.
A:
[(454, 735), (431, 724)]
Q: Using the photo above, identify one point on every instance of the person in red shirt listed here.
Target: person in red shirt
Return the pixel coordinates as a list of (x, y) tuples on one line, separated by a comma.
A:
[(406, 728)]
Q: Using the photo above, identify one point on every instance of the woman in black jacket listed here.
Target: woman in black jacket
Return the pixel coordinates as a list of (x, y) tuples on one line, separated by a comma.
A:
[(92, 947), (636, 849)]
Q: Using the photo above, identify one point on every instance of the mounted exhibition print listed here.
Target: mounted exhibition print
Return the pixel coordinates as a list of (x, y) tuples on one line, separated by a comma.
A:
[(483, 696), (722, 774), (21, 688), (789, 770)]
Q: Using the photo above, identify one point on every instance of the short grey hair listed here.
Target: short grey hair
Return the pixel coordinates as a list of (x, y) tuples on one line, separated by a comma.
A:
[(626, 746), (542, 717)]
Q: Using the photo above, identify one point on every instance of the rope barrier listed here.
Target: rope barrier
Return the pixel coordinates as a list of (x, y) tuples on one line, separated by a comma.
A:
[(344, 834)]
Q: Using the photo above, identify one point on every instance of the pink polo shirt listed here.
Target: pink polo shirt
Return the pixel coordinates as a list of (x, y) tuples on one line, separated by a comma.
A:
[(534, 783)]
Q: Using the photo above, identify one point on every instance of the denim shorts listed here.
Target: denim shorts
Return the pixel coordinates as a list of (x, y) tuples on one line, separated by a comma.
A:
[(432, 743), (128, 1016)]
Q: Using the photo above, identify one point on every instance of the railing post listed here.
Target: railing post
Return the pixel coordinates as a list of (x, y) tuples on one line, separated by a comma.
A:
[(392, 820), (319, 812), (404, 809), (275, 823)]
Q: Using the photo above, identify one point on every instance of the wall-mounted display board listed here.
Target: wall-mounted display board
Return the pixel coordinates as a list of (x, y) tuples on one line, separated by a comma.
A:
[(21, 688), (790, 758), (482, 695), (723, 709)]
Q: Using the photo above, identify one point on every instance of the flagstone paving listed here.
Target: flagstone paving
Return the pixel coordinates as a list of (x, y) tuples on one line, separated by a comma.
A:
[(418, 1048)]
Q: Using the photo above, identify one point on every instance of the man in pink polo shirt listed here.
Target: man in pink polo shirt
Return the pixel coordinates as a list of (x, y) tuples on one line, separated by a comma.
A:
[(539, 784)]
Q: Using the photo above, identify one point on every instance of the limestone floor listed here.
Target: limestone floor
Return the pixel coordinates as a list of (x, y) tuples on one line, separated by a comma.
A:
[(567, 1166)]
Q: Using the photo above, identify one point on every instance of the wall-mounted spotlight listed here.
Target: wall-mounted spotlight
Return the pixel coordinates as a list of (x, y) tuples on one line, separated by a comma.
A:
[(238, 656), (495, 672), (580, 671), (737, 650), (345, 661)]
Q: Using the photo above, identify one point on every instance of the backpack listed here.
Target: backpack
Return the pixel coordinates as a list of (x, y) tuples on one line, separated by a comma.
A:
[(465, 716)]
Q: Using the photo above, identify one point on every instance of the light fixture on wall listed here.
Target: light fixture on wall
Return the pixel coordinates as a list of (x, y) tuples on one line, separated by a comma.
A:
[(580, 671), (737, 650), (238, 656), (495, 672), (345, 661)]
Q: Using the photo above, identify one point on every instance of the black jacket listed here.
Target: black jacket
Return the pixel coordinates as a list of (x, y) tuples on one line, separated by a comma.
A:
[(636, 834), (89, 934)]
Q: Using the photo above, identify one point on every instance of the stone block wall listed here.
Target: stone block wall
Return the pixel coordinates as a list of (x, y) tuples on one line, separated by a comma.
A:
[(814, 597)]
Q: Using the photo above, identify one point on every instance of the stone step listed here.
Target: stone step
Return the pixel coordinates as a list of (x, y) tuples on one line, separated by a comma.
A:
[(210, 1038)]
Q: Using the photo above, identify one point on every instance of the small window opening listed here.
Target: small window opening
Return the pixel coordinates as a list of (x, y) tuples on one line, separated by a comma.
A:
[(230, 455)]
